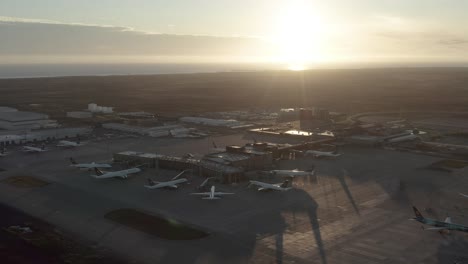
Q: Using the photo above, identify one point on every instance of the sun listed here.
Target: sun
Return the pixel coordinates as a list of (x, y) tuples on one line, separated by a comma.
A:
[(297, 35)]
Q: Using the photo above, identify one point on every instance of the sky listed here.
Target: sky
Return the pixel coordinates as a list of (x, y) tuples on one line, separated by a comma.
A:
[(294, 32)]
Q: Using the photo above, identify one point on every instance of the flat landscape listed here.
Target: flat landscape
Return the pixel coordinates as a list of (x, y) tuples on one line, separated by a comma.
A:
[(354, 210), (357, 90)]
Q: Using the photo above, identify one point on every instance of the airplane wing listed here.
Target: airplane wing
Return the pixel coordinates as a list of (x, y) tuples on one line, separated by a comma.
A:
[(161, 185), (434, 228), (104, 176), (222, 193), (202, 193), (464, 195), (178, 175)]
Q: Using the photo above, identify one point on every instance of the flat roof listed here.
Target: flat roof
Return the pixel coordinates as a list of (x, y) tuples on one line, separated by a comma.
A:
[(22, 116), (226, 156), (7, 109)]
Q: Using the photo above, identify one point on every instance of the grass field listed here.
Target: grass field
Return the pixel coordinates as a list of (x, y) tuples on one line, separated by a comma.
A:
[(355, 90)]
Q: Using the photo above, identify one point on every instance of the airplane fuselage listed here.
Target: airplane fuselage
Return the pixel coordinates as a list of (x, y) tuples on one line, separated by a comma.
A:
[(121, 174), (317, 153), (437, 223), (290, 173), (169, 184), (91, 165), (32, 149)]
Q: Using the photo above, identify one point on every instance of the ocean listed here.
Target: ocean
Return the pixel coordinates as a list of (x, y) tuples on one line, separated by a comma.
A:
[(59, 70)]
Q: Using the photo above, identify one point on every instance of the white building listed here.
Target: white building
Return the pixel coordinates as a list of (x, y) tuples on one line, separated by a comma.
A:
[(100, 109), (158, 131), (211, 122), (80, 114), (19, 120)]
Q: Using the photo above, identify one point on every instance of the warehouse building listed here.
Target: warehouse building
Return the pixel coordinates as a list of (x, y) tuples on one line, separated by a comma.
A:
[(19, 120), (4, 109), (8, 138), (211, 122)]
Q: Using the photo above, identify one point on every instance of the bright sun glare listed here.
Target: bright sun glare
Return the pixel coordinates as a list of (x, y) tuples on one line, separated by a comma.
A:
[(297, 35)]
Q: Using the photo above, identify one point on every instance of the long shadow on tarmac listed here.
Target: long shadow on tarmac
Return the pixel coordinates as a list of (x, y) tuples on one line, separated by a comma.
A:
[(341, 178), (267, 225), (453, 249), (310, 206)]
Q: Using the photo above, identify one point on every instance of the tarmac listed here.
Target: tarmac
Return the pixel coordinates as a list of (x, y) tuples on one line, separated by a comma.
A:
[(354, 210)]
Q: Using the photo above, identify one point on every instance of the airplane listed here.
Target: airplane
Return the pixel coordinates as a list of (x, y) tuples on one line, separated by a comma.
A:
[(263, 186), (438, 225), (189, 156), (292, 173), (319, 154), (3, 153), (464, 195), (212, 194), (114, 174), (69, 144), (167, 184), (88, 166), (30, 149)]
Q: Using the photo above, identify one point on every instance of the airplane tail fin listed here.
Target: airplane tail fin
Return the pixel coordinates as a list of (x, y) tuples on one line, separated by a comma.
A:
[(151, 182), (417, 213), (285, 184), (98, 172), (311, 169), (72, 161)]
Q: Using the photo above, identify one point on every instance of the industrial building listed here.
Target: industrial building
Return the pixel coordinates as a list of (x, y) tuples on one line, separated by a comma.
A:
[(4, 109), (7, 137), (19, 120), (314, 118), (231, 123), (158, 131), (80, 114)]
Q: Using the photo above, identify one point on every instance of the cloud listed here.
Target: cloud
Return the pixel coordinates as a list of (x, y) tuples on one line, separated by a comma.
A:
[(38, 37)]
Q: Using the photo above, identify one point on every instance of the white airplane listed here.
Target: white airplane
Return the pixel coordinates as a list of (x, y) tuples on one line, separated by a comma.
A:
[(114, 174), (319, 154), (3, 153), (212, 194), (167, 184), (30, 149), (292, 173), (464, 195), (88, 166), (69, 144), (263, 186)]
